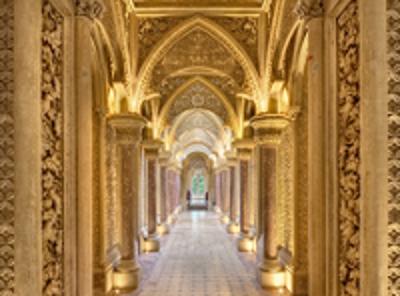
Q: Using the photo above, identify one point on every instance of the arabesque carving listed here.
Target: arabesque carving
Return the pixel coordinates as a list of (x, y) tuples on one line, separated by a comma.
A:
[(198, 96), (349, 150), (198, 49), (52, 151), (151, 30), (7, 197), (198, 119), (245, 31), (89, 8), (307, 9), (393, 21)]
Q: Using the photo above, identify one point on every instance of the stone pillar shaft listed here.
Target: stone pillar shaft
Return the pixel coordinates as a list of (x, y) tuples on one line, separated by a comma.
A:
[(151, 195), (269, 159), (164, 194), (244, 196), (232, 193)]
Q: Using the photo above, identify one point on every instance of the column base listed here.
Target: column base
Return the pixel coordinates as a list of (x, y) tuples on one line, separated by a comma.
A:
[(127, 276), (163, 228), (270, 275), (224, 219), (245, 243), (152, 243), (232, 228)]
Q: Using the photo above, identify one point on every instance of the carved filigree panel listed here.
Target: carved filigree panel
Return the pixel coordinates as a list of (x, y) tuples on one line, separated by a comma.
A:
[(349, 150), (150, 31), (286, 190), (198, 96), (245, 31), (7, 196), (52, 151), (198, 49), (393, 21)]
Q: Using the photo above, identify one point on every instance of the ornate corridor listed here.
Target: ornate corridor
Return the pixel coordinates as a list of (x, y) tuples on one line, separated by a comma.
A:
[(199, 147)]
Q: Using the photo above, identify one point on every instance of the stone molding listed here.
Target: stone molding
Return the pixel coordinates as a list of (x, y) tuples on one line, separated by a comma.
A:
[(244, 148), (128, 127), (163, 158), (90, 9), (309, 9), (269, 128), (152, 148)]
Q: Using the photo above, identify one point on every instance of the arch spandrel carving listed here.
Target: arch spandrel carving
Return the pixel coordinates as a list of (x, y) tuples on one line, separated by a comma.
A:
[(198, 93), (237, 56)]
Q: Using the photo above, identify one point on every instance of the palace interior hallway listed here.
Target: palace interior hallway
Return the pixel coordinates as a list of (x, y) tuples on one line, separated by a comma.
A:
[(120, 118), (199, 259)]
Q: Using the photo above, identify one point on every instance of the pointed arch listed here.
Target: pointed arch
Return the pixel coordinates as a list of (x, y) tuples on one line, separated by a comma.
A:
[(184, 30), (232, 117)]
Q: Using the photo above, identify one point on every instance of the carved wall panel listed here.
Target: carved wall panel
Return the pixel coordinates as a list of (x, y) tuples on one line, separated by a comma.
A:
[(52, 153), (349, 150), (393, 27), (286, 190), (151, 30), (301, 196), (198, 49), (245, 31), (197, 96), (7, 149), (111, 195)]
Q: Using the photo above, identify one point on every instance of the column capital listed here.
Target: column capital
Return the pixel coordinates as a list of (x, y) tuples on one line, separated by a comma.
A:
[(90, 9), (231, 158), (269, 128), (152, 148), (309, 9), (164, 158), (244, 148), (128, 127)]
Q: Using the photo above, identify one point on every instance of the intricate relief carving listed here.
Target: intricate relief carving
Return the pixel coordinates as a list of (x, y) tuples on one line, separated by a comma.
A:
[(52, 153), (204, 98), (6, 149), (151, 31), (198, 119), (307, 9), (245, 31), (393, 21), (198, 49), (89, 8), (349, 150)]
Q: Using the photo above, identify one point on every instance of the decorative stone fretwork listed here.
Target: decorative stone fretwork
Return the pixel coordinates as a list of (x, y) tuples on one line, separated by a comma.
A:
[(393, 17), (245, 31), (198, 96), (151, 30), (198, 49), (307, 9), (7, 196), (52, 151), (349, 150), (89, 8), (128, 131)]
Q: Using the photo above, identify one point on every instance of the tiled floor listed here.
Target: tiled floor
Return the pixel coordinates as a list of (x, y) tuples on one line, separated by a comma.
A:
[(198, 259)]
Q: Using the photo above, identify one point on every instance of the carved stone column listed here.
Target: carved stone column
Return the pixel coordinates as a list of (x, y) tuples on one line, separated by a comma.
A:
[(163, 162), (268, 132), (151, 149), (244, 150), (128, 130), (232, 162)]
